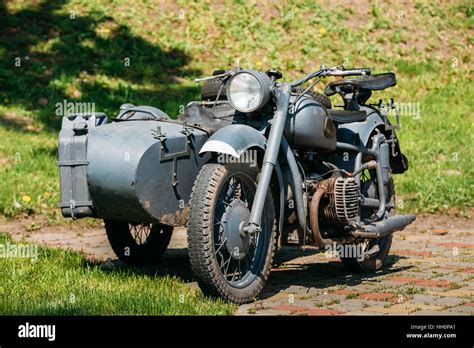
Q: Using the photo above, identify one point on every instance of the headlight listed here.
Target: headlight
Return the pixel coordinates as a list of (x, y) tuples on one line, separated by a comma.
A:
[(248, 90)]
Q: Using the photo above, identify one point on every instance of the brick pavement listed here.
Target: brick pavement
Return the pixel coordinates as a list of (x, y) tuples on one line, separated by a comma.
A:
[(428, 273)]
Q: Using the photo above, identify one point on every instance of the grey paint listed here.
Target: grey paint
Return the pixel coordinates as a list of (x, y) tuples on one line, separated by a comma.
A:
[(306, 125), (142, 112), (296, 183), (385, 227), (282, 96), (238, 137), (72, 150), (358, 133), (128, 178)]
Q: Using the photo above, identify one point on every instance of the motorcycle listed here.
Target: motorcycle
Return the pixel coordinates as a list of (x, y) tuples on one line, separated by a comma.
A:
[(243, 166)]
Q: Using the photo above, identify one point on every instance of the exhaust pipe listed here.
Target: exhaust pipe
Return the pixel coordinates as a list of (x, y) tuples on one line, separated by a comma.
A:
[(385, 227)]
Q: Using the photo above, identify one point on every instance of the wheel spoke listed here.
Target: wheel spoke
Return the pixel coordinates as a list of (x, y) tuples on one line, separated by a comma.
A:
[(231, 188), (140, 233), (233, 269), (243, 196), (228, 264), (223, 264), (233, 275), (248, 198), (136, 236), (220, 246), (240, 270)]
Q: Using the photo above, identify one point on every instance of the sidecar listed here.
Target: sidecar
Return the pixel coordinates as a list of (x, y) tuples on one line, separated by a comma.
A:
[(139, 168)]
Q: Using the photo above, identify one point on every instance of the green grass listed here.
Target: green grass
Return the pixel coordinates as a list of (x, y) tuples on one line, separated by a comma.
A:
[(62, 282), (428, 45), (29, 173)]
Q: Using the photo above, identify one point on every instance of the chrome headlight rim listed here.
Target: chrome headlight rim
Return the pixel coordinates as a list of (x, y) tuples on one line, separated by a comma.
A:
[(264, 82)]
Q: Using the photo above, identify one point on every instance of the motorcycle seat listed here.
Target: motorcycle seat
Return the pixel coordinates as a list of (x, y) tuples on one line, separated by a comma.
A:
[(372, 83), (347, 116)]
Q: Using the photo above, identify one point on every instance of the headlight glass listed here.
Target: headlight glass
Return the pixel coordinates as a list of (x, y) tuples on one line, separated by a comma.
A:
[(245, 92)]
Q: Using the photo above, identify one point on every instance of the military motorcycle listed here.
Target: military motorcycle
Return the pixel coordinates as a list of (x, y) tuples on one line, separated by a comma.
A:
[(253, 161)]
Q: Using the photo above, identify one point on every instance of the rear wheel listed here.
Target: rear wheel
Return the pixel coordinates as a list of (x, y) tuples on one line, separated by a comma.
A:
[(376, 250), (227, 263), (138, 244)]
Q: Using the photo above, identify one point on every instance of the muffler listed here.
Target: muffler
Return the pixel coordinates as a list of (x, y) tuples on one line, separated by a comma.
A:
[(385, 227)]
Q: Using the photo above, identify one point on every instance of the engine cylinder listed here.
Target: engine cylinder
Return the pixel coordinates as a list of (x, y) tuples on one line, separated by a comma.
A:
[(346, 199), (342, 203)]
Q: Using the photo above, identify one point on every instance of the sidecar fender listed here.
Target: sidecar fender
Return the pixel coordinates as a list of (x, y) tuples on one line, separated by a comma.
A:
[(234, 140)]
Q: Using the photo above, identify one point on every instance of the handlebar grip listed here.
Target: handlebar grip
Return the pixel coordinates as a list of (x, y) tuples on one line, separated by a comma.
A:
[(356, 71), (347, 72)]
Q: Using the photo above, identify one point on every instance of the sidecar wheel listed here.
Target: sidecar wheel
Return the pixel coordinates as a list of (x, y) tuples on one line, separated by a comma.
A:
[(227, 264), (138, 244)]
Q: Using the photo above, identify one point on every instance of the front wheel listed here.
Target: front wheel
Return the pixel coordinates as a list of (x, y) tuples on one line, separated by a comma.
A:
[(227, 263)]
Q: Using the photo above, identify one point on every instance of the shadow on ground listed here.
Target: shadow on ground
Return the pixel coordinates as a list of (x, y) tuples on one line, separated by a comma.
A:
[(63, 56), (318, 275), (175, 263)]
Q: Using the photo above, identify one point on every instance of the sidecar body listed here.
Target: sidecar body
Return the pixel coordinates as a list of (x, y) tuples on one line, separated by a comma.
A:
[(138, 169)]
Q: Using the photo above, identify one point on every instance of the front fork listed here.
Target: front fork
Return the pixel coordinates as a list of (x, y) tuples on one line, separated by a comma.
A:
[(270, 158)]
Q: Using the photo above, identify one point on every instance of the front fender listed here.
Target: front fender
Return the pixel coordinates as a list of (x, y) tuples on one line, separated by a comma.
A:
[(234, 140)]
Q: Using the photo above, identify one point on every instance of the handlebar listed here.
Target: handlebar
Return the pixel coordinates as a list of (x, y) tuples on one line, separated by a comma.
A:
[(323, 71), (334, 71)]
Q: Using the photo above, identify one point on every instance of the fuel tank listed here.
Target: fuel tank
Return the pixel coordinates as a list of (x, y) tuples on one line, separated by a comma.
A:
[(309, 126)]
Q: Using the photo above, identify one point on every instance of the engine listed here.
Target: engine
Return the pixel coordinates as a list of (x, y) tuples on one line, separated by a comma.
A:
[(343, 200), (334, 204)]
